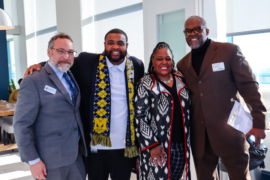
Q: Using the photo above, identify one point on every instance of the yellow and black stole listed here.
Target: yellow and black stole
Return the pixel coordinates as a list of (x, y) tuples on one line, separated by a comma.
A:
[(101, 98)]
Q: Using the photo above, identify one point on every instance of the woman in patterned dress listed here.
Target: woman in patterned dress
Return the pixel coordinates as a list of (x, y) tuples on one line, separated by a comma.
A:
[(162, 119)]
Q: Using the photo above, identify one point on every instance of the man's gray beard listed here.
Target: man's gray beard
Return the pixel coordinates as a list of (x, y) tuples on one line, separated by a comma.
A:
[(64, 68), (196, 47)]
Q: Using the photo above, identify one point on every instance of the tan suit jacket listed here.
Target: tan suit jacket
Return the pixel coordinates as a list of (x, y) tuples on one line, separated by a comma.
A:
[(213, 95)]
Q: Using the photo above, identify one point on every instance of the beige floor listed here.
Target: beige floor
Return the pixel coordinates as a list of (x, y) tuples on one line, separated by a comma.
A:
[(11, 167)]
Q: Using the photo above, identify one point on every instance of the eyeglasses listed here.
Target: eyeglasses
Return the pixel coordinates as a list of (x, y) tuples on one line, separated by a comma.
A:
[(62, 51), (196, 30)]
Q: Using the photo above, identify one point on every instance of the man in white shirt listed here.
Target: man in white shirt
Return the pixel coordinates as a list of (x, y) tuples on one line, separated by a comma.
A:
[(113, 147)]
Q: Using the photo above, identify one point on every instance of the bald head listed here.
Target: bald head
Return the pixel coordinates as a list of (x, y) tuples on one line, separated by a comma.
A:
[(200, 19)]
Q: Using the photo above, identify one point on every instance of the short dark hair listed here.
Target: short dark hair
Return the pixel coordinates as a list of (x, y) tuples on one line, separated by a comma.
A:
[(117, 31), (60, 35), (160, 45), (20, 80)]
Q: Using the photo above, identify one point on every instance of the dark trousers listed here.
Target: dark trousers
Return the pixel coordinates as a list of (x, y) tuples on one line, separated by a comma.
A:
[(206, 167), (109, 162)]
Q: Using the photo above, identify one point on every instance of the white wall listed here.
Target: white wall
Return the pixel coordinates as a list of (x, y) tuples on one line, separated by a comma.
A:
[(150, 10), (132, 23), (39, 15), (102, 6), (210, 16), (68, 13)]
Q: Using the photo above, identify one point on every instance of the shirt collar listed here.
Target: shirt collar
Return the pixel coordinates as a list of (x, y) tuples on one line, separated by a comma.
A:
[(121, 66), (57, 72)]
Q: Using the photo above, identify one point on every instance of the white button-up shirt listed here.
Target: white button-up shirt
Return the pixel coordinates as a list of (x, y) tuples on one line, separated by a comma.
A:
[(119, 108)]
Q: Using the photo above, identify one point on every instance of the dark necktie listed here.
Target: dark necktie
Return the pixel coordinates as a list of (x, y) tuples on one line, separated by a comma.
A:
[(73, 93), (72, 88)]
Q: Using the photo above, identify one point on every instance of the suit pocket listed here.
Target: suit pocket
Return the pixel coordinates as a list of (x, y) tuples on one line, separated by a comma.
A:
[(48, 142), (222, 80)]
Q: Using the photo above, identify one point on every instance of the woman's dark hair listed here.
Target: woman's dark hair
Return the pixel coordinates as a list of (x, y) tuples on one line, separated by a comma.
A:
[(160, 45)]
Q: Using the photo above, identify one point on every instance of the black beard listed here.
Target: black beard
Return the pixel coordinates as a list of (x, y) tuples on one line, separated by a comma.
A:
[(121, 57)]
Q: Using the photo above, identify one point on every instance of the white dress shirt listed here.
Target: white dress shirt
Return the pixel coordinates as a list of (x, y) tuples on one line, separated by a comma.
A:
[(119, 108), (65, 83)]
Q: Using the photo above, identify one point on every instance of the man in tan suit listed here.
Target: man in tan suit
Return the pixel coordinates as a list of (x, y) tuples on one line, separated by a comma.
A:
[(215, 73)]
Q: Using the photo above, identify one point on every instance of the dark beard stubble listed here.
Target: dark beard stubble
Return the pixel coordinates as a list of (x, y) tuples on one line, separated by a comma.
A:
[(121, 57)]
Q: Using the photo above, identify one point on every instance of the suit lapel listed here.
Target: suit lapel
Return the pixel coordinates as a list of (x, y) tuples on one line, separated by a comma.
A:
[(57, 82), (209, 57), (190, 68)]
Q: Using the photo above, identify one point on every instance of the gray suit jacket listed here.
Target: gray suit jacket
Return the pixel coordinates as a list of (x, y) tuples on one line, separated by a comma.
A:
[(46, 125)]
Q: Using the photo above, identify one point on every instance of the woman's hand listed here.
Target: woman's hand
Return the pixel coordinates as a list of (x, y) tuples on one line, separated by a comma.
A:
[(157, 154)]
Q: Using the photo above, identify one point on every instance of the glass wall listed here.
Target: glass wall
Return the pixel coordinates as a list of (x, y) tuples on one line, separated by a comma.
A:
[(170, 30)]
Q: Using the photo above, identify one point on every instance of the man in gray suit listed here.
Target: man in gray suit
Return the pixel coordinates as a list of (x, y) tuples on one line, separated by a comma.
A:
[(47, 122)]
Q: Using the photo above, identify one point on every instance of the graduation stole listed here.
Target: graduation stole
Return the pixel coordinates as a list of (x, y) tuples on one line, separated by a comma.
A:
[(101, 98)]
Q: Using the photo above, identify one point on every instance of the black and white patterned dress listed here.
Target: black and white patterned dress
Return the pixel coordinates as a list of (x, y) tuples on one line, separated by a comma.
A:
[(153, 116)]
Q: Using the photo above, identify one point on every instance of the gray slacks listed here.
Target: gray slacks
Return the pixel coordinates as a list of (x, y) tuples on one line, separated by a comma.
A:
[(75, 171)]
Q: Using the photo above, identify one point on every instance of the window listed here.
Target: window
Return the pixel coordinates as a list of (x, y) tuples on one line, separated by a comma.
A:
[(255, 48), (11, 62)]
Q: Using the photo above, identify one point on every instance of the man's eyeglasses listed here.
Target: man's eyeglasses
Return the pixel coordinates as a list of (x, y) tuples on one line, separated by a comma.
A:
[(196, 30), (62, 51)]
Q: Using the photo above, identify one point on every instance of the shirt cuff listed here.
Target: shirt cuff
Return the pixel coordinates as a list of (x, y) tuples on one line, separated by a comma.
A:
[(34, 161)]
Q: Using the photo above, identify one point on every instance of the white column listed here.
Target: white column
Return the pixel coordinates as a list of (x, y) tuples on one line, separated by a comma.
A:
[(221, 20), (199, 7), (16, 11), (210, 16), (68, 16), (20, 40)]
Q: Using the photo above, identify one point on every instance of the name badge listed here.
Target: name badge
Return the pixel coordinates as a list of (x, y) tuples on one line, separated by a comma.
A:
[(50, 89), (218, 67)]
